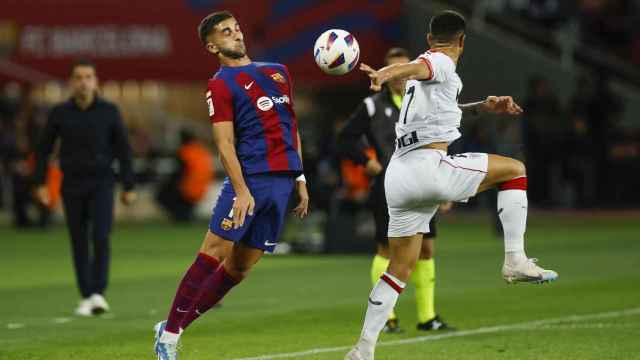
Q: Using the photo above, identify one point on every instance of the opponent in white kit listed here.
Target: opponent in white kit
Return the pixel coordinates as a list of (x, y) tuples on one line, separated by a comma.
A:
[(421, 175)]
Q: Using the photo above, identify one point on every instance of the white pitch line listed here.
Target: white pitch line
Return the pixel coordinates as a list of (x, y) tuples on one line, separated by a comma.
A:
[(14, 326), (456, 334)]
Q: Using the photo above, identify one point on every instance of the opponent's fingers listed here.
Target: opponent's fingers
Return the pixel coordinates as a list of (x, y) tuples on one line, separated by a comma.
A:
[(366, 68)]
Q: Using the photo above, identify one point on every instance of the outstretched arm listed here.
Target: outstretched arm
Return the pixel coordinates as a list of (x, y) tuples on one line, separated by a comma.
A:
[(503, 105), (408, 71)]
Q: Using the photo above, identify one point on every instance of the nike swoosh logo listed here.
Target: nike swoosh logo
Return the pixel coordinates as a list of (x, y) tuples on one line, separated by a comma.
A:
[(377, 303), (266, 243), (249, 85), (181, 311)]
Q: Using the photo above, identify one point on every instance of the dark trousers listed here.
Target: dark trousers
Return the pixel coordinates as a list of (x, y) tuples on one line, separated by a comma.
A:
[(89, 216)]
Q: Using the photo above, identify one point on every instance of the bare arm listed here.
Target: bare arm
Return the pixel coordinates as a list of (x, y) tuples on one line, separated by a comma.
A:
[(504, 105), (224, 138), (408, 71), (301, 187)]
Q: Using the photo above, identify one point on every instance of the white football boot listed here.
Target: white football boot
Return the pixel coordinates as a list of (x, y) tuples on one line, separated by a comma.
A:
[(99, 304), (84, 308), (527, 272)]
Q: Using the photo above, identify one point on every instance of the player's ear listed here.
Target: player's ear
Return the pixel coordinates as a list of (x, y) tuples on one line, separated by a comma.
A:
[(212, 48), (429, 39), (462, 39)]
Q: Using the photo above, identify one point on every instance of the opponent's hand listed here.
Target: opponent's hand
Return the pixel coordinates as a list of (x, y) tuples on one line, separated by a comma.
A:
[(374, 76), (128, 197), (373, 168), (503, 105), (41, 193), (303, 195), (243, 205)]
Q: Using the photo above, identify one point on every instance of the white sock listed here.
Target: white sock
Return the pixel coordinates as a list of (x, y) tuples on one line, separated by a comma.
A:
[(169, 337), (512, 210), (382, 300)]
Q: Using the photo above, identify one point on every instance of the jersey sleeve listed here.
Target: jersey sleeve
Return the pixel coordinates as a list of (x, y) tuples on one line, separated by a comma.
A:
[(219, 101), (290, 81), (438, 65)]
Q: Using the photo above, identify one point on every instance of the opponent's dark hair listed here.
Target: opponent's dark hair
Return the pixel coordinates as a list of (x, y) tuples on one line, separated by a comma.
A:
[(396, 52), (447, 25), (82, 62), (206, 25)]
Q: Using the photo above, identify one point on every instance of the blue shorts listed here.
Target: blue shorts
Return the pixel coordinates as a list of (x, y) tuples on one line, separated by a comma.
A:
[(271, 193)]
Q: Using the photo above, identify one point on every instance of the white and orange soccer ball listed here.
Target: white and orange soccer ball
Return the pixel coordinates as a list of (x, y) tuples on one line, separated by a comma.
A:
[(336, 52)]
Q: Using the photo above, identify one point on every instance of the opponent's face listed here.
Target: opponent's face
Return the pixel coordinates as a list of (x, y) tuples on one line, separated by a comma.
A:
[(227, 40), (397, 86), (83, 81)]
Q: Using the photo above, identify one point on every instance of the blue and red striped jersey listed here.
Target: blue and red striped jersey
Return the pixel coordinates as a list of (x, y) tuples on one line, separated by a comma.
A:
[(258, 99)]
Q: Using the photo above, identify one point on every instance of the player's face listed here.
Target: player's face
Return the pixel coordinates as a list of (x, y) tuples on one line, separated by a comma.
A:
[(227, 40), (84, 81), (397, 86)]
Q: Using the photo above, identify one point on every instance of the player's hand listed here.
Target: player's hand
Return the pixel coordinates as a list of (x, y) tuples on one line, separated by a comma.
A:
[(446, 207), (374, 76), (128, 197), (303, 206), (373, 168), (41, 194), (503, 105), (242, 206)]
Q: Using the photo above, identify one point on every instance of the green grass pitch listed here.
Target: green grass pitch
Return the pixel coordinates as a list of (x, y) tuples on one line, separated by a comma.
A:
[(293, 304)]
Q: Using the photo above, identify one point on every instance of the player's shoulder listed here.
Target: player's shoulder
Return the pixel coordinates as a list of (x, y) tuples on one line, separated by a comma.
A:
[(218, 80), (439, 58), (105, 104)]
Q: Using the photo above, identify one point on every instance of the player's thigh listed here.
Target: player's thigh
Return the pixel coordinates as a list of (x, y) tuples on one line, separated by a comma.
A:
[(460, 175), (501, 169), (216, 246), (403, 255)]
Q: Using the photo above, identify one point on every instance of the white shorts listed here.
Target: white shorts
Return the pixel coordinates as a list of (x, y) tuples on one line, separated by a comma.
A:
[(417, 182)]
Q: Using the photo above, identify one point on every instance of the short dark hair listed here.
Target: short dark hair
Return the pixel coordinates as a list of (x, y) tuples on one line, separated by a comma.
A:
[(206, 25), (445, 26), (395, 53), (82, 62)]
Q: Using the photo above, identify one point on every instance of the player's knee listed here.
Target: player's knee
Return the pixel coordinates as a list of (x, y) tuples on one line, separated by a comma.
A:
[(518, 168), (238, 271)]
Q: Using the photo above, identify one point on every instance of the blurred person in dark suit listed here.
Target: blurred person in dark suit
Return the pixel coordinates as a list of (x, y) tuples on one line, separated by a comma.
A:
[(92, 135)]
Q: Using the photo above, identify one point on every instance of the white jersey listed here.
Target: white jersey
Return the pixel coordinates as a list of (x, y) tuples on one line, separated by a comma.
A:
[(430, 111)]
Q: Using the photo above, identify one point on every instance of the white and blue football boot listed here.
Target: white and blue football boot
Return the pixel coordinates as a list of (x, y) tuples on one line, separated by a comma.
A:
[(527, 272), (164, 350)]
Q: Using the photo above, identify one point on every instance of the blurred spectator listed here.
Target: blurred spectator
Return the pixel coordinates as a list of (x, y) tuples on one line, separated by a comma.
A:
[(190, 182), (544, 127)]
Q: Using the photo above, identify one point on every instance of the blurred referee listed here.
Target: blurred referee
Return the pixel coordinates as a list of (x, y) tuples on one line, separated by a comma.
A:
[(92, 135), (373, 125)]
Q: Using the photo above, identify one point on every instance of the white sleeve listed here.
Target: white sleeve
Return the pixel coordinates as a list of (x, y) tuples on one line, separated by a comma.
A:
[(439, 65)]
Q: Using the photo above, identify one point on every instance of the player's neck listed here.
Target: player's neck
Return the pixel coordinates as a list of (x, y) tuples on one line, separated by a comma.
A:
[(450, 51), (225, 61)]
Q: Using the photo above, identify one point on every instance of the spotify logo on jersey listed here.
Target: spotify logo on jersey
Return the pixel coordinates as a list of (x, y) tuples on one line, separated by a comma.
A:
[(264, 103)]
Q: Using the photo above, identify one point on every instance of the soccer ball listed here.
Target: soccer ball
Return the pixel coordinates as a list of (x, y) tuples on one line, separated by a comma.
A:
[(336, 52)]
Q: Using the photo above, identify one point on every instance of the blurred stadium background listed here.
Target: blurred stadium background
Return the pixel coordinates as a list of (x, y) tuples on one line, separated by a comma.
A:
[(574, 66)]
